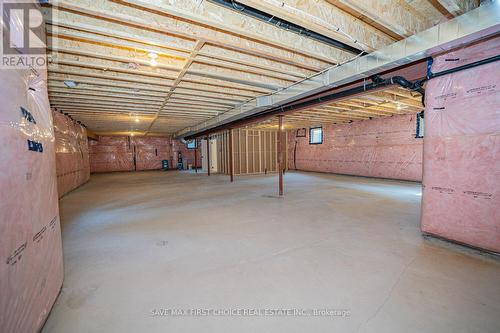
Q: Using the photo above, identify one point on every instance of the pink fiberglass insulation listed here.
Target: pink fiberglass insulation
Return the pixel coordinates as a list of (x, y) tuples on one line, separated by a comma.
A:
[(187, 154), (151, 151), (111, 153), (72, 154), (384, 148), (122, 153), (461, 178), (31, 267)]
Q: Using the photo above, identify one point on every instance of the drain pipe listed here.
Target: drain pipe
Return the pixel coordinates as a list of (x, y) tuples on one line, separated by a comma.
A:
[(377, 83)]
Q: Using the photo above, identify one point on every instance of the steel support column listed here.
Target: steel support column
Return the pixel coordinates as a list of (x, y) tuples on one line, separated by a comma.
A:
[(208, 155), (280, 153), (195, 155), (231, 168)]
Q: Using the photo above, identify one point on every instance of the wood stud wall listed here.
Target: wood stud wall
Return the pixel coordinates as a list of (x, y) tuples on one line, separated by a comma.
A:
[(254, 151)]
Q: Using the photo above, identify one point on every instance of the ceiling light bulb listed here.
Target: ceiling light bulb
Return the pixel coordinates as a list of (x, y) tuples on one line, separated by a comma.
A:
[(398, 107), (152, 55), (153, 62), (136, 120), (131, 134)]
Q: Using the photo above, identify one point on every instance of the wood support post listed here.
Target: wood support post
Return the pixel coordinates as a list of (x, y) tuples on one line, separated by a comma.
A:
[(231, 168), (280, 154)]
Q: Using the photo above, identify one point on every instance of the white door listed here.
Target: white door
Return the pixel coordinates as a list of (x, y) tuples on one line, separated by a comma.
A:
[(203, 155), (213, 155)]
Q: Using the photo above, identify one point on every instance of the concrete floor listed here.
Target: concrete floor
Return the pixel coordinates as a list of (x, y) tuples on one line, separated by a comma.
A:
[(138, 243)]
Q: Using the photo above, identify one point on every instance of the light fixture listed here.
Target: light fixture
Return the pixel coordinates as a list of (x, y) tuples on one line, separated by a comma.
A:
[(152, 59), (398, 107), (70, 84), (131, 133), (136, 119)]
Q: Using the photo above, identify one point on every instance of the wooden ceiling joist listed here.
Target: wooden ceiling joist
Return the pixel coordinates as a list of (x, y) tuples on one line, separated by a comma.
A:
[(208, 59), (79, 94)]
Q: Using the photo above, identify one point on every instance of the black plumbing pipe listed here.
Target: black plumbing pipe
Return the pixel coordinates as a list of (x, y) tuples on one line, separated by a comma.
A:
[(377, 82), (458, 69), (430, 75), (286, 25)]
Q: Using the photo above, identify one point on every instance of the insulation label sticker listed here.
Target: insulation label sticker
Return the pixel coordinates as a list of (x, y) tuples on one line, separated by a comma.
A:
[(16, 255), (450, 95), (491, 88), (443, 189), (479, 195), (27, 115), (35, 146), (52, 224), (39, 235)]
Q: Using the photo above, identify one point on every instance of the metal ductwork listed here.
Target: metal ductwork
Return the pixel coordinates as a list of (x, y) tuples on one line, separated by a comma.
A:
[(376, 83), (480, 23)]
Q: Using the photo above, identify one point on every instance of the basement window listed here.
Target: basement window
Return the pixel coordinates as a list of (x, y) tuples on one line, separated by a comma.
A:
[(191, 144), (316, 135), (420, 125)]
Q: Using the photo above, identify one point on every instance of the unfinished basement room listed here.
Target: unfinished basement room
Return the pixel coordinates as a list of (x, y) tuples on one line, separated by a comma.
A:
[(250, 166)]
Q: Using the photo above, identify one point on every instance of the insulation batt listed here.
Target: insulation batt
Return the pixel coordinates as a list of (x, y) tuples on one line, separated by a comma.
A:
[(461, 177), (383, 148), (72, 154), (123, 153), (31, 266), (111, 153)]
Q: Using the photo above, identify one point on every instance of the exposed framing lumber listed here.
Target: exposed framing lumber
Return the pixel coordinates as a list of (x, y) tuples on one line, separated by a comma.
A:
[(206, 66), (325, 54), (301, 13), (207, 34), (196, 49), (454, 7), (390, 19)]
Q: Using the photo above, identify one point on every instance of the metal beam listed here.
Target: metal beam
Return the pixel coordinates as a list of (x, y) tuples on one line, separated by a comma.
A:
[(208, 155), (475, 25)]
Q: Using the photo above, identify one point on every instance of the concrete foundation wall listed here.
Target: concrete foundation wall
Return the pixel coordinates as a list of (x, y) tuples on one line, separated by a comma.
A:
[(124, 153), (385, 148)]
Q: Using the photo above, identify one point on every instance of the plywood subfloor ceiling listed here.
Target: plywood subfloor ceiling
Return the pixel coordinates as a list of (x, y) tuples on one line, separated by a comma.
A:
[(209, 58)]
